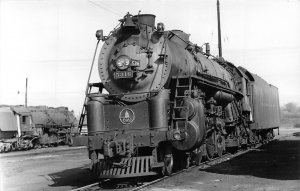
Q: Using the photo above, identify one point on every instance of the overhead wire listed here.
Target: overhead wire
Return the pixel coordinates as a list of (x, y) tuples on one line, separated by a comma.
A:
[(107, 8)]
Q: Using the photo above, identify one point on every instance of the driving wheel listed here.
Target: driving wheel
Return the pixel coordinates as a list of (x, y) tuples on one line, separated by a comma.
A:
[(210, 147), (198, 157), (220, 143)]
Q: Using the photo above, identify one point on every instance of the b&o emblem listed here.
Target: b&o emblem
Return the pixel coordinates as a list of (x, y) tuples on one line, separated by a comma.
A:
[(126, 116)]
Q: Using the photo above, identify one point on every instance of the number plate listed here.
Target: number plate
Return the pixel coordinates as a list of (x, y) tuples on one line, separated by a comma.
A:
[(135, 63), (123, 74)]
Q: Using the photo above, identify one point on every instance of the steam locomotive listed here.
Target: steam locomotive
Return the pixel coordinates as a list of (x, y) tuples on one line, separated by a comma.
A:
[(170, 103), (53, 125), (23, 128)]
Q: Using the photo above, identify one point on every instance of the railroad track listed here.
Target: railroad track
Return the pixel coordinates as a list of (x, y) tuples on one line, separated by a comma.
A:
[(140, 183)]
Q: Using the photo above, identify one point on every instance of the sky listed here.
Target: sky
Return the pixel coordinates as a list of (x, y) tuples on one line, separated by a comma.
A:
[(52, 42)]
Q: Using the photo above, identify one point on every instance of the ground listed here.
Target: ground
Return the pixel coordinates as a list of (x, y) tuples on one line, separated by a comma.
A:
[(52, 169), (272, 167)]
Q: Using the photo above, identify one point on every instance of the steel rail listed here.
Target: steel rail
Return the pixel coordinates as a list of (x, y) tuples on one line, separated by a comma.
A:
[(203, 165), (87, 187), (211, 162), (179, 172)]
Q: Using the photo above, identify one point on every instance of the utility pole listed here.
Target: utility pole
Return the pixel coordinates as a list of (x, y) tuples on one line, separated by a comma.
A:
[(26, 92), (219, 30)]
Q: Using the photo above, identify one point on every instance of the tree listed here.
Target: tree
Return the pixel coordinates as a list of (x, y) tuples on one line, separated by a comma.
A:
[(292, 107)]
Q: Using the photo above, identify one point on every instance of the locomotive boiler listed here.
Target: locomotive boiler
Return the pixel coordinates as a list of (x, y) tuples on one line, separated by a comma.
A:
[(169, 103)]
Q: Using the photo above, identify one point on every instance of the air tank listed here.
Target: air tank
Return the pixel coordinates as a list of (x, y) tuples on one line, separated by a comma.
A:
[(158, 111), (95, 115)]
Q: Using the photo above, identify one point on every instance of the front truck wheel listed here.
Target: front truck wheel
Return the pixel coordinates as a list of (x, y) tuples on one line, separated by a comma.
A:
[(168, 165), (198, 156), (166, 156)]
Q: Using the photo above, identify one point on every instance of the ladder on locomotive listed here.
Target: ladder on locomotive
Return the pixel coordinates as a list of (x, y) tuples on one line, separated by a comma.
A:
[(83, 111), (183, 90)]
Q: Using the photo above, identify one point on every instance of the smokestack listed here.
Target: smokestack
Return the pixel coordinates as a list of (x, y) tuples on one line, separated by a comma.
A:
[(219, 30)]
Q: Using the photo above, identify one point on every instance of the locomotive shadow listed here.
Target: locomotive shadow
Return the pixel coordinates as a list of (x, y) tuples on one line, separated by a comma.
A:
[(75, 177), (278, 160)]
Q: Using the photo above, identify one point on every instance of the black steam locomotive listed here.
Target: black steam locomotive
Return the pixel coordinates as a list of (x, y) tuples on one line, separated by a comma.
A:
[(170, 103), (23, 128)]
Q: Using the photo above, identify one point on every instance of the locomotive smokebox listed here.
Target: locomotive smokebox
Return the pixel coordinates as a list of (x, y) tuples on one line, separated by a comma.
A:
[(95, 115), (158, 111)]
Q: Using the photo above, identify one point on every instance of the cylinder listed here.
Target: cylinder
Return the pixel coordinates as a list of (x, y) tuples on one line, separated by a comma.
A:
[(95, 115), (158, 109)]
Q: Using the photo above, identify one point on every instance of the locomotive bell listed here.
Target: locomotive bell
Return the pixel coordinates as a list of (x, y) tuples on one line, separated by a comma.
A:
[(129, 22)]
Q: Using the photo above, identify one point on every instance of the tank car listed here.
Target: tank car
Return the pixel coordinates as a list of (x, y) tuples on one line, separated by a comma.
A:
[(169, 103)]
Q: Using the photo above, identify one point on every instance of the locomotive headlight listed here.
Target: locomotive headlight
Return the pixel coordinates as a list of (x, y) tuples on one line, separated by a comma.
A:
[(177, 135), (123, 62)]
